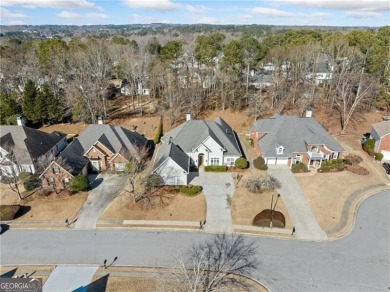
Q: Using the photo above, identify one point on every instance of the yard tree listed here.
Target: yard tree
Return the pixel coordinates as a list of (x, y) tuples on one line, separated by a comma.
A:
[(207, 47), (134, 167), (29, 100), (213, 265)]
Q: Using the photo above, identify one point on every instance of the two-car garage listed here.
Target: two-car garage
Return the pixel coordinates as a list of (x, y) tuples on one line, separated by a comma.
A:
[(277, 160)]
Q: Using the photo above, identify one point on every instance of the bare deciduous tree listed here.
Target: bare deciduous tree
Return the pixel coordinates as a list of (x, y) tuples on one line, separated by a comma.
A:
[(214, 265)]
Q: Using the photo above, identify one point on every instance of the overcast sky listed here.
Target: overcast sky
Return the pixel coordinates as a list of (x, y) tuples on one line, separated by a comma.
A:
[(276, 12)]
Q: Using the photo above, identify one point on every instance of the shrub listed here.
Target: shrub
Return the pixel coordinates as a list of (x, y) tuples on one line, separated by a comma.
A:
[(78, 183), (332, 166), (153, 181), (368, 146), (31, 182), (259, 163), (299, 167), (241, 163), (159, 132), (378, 156), (261, 184), (8, 212), (24, 175), (190, 190), (216, 168), (352, 159), (357, 169)]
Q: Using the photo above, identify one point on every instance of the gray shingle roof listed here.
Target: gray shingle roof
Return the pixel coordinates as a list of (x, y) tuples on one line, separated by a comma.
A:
[(192, 133), (293, 133), (114, 138), (382, 128), (28, 143), (170, 150)]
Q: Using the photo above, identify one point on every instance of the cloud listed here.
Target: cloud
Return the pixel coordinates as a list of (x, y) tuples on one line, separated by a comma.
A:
[(319, 15), (5, 13), (272, 12), (71, 15), (61, 4), (159, 5), (14, 22), (368, 5), (363, 14), (137, 18), (207, 20), (197, 9)]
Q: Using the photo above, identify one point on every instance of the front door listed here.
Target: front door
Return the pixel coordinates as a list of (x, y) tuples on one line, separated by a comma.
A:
[(200, 159), (95, 166)]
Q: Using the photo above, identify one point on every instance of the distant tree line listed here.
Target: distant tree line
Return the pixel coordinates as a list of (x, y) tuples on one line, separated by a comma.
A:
[(193, 68)]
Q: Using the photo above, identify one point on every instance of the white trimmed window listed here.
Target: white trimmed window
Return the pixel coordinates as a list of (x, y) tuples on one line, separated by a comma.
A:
[(66, 181), (214, 161), (229, 161), (279, 150), (119, 166), (56, 170)]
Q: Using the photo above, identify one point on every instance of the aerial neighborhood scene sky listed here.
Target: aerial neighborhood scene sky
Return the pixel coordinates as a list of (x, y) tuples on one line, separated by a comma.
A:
[(371, 13)]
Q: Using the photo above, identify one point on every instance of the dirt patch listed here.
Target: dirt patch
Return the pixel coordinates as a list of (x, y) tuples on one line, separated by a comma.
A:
[(246, 205), (136, 279), (326, 193), (146, 126), (70, 129), (53, 207), (32, 271), (175, 207)]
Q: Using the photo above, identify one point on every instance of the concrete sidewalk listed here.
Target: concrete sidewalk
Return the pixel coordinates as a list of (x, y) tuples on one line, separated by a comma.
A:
[(66, 279), (104, 189), (300, 213), (216, 188)]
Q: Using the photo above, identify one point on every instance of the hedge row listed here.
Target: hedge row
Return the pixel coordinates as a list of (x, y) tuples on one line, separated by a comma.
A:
[(332, 166), (190, 190), (216, 168), (299, 167)]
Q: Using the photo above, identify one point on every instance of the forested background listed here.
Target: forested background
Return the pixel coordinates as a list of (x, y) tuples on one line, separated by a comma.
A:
[(55, 74)]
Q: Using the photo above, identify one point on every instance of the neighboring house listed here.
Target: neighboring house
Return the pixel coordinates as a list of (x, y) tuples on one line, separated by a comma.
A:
[(260, 81), (21, 146), (381, 133), (321, 71), (195, 143), (290, 139), (99, 147)]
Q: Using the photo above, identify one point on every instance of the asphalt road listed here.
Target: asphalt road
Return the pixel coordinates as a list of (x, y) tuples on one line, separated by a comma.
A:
[(357, 262)]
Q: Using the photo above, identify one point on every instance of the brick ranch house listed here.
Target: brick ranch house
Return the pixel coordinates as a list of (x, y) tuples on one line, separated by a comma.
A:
[(290, 140), (99, 147), (381, 133)]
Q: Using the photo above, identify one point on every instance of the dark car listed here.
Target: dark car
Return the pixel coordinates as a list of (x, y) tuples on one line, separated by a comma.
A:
[(386, 166)]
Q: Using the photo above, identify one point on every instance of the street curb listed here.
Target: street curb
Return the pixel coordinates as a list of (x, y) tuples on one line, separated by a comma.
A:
[(356, 207)]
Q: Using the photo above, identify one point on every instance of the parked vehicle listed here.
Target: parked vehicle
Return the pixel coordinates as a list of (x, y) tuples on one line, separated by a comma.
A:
[(386, 166)]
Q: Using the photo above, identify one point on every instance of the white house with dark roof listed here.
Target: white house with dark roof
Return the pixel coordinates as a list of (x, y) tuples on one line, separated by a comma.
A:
[(21, 146), (290, 139), (195, 143)]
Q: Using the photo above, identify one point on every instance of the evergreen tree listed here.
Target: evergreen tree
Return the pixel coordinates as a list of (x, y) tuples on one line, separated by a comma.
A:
[(41, 106), (9, 108), (29, 100)]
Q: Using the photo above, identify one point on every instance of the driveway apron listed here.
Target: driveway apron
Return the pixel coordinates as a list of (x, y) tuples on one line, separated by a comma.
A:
[(104, 189), (216, 188), (65, 279), (305, 223)]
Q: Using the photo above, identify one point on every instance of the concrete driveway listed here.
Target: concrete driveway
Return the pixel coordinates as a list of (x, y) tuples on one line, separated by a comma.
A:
[(68, 278), (216, 188), (104, 189), (300, 213)]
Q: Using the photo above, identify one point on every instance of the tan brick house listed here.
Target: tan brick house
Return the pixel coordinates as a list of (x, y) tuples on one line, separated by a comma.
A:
[(99, 148), (290, 139)]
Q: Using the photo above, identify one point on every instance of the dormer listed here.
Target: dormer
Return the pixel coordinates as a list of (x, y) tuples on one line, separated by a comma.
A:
[(280, 150)]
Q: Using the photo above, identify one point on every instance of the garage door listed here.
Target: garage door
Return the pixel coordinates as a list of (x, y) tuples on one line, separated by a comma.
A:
[(386, 155), (271, 161), (282, 161)]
